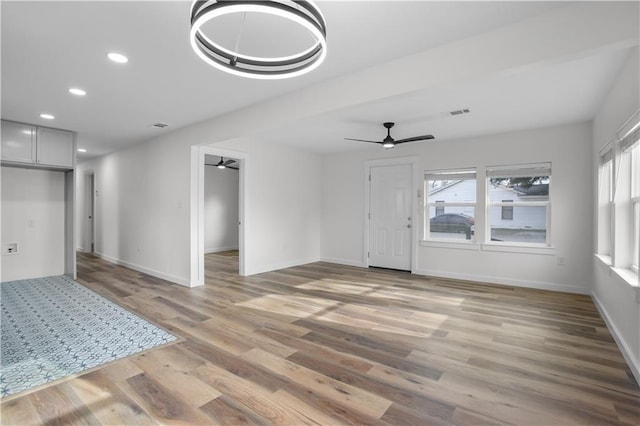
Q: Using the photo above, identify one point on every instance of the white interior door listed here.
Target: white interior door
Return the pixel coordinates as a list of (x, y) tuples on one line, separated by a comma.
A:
[(390, 211)]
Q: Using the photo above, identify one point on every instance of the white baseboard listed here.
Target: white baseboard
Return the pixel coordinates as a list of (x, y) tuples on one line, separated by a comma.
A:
[(344, 262), (503, 281), (633, 364), (219, 249), (148, 271), (280, 265)]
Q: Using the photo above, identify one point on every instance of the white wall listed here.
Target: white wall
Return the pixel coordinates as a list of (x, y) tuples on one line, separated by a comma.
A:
[(566, 147), (617, 300), (220, 209), (283, 205), (33, 216), (142, 208), (142, 212)]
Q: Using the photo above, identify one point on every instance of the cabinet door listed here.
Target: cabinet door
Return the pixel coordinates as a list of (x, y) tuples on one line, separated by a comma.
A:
[(54, 148), (18, 142)]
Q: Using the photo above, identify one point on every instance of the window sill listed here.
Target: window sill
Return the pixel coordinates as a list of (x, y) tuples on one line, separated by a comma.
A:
[(519, 248), (604, 259), (460, 245), (627, 275), (472, 245)]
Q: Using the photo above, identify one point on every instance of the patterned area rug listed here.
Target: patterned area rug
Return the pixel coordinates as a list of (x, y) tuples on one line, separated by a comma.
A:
[(54, 327)]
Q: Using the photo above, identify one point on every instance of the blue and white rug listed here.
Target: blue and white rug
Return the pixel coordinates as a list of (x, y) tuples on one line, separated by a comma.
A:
[(54, 327)]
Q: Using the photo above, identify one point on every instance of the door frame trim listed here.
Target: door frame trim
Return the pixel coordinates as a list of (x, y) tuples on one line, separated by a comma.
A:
[(88, 229), (198, 153), (415, 215)]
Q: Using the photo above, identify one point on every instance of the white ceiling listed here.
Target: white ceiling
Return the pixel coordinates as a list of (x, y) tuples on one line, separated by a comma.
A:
[(50, 46), (570, 92)]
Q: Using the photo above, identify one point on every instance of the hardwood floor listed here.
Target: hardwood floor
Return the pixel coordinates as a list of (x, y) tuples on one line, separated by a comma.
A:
[(328, 344)]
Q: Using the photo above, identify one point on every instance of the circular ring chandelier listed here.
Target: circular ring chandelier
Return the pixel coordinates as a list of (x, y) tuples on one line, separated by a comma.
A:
[(304, 13)]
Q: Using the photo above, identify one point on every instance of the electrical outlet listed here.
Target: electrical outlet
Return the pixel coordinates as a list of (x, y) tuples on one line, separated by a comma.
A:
[(561, 261), (9, 248)]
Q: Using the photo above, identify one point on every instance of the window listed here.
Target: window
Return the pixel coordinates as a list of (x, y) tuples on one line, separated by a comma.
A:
[(518, 204), (605, 202), (619, 201), (507, 211), (635, 203), (450, 204)]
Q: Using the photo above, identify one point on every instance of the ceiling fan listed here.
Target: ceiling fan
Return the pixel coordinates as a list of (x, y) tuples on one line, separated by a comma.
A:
[(224, 164), (389, 142)]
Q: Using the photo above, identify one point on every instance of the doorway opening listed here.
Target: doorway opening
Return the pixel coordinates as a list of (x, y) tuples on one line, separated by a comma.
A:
[(221, 205), (217, 208)]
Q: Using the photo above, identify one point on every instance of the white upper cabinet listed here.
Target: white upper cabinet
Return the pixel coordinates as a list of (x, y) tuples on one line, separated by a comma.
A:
[(54, 147), (37, 146), (18, 142)]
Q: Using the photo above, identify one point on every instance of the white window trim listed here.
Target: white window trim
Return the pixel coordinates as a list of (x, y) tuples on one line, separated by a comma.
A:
[(451, 174), (451, 244), (510, 247), (606, 158), (627, 275), (518, 170), (628, 137)]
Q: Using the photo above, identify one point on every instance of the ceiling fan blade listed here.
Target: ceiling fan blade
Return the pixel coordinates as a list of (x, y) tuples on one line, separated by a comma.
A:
[(361, 140), (233, 168), (415, 138), (226, 163)]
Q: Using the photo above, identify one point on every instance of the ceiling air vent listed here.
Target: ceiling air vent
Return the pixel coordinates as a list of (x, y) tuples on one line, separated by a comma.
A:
[(160, 125), (460, 111)]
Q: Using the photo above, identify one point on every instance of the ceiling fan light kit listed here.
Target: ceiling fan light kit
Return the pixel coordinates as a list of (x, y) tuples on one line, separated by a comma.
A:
[(223, 164), (304, 13), (388, 142)]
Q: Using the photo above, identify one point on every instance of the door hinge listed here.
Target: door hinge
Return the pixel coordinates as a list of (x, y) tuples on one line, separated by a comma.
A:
[(368, 255), (369, 177), (369, 216)]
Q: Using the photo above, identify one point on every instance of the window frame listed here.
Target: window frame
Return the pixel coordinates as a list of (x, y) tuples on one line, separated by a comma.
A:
[(518, 171), (624, 222), (634, 152), (604, 231), (469, 173)]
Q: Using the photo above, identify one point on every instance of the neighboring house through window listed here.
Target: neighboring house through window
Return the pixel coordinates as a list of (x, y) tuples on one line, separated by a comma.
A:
[(507, 211)]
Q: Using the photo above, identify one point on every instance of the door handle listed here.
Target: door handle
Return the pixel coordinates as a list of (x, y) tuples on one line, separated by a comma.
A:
[(408, 225)]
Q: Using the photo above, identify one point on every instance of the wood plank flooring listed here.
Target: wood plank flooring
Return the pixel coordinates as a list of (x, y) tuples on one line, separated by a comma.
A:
[(331, 345)]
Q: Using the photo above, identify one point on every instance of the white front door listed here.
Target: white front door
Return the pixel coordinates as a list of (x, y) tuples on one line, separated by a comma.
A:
[(390, 212)]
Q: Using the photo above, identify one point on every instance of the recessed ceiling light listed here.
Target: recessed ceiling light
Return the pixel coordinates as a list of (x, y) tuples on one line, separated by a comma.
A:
[(47, 116), (77, 92), (117, 57), (82, 150)]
